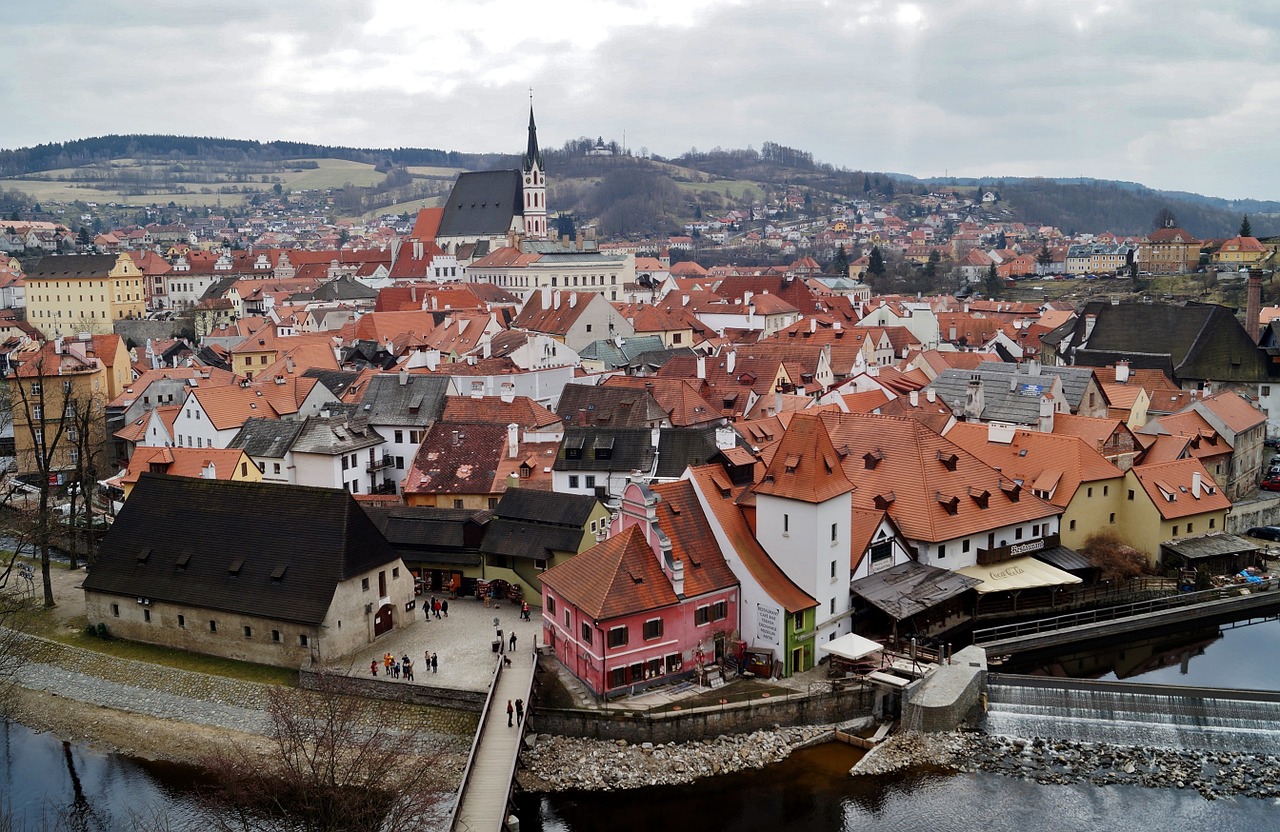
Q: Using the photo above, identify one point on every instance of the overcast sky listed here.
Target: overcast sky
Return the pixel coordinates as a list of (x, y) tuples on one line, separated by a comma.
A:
[(1176, 94)]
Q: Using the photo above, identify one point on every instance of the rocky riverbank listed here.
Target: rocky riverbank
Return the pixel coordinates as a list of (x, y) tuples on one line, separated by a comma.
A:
[(565, 763), (1212, 774)]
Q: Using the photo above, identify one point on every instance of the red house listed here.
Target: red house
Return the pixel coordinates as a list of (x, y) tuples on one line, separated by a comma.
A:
[(648, 604)]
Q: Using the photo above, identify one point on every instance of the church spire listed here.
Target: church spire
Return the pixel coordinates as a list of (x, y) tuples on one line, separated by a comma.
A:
[(532, 155)]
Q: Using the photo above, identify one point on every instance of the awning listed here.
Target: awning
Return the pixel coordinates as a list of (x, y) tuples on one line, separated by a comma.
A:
[(1018, 573), (851, 647)]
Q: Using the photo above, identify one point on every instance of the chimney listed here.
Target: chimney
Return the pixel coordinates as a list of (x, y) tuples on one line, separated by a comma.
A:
[(973, 401), (544, 295), (836, 326), (930, 395), (486, 345), (746, 298), (914, 396), (513, 440), (555, 300), (1253, 305), (1089, 322), (1195, 484), (404, 377), (1122, 372), (730, 361), (417, 249), (579, 241), (677, 577), (433, 359), (210, 471), (684, 300), (573, 300), (1045, 423), (813, 324), (455, 438)]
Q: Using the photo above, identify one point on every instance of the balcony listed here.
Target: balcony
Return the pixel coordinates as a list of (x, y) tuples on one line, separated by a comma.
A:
[(385, 461)]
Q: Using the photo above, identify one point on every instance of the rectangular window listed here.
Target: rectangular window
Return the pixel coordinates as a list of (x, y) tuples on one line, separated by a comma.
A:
[(364, 584), (586, 632), (213, 626), (399, 436), (1131, 494), (275, 467), (617, 677), (182, 621), (786, 523), (652, 629), (797, 621), (1175, 531), (617, 636), (702, 615), (1089, 491), (881, 553), (573, 480), (248, 631), (566, 619), (303, 641), (1017, 533), (115, 610), (834, 526), (551, 605), (1073, 525), (146, 616), (833, 570), (589, 481), (395, 572), (1191, 527), (719, 611), (833, 607), (1112, 519), (1105, 490), (275, 636), (942, 550)]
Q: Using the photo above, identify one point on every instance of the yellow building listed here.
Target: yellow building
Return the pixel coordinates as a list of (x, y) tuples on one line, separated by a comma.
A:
[(1240, 251), (1167, 501), (52, 392), (202, 463), (70, 294)]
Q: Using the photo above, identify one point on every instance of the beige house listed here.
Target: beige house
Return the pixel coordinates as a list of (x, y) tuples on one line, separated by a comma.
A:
[(1168, 501), (71, 294)]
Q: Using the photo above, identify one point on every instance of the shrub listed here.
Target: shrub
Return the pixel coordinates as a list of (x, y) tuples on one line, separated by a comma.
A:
[(1118, 560)]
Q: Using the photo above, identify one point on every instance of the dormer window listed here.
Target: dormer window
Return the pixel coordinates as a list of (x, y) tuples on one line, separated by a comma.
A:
[(872, 458), (949, 503), (948, 459)]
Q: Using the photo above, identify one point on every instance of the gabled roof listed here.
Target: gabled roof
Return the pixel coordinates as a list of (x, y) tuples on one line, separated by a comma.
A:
[(495, 410), (184, 462), (482, 204), (412, 399), (679, 515), (1171, 487), (336, 433), (589, 404), (272, 438), (679, 397), (229, 547), (616, 578)]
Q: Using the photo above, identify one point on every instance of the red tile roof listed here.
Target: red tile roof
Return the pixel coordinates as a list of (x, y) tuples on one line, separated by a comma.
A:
[(616, 578), (805, 466)]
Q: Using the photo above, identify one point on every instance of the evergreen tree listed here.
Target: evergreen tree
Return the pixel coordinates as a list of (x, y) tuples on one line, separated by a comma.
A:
[(931, 267), (993, 285), (1045, 257), (840, 263), (875, 262), (1246, 230)]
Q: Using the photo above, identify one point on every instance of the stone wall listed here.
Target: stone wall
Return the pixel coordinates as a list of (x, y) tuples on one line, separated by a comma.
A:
[(1264, 511), (705, 723), (139, 331), (414, 693), (942, 700)]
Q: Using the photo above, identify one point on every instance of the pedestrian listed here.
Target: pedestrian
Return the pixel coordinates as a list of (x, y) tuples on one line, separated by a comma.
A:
[(435, 606), (395, 669), (510, 711), (444, 606), (373, 667), (386, 662), (408, 669), (524, 610), (435, 663), (513, 641), (520, 712)]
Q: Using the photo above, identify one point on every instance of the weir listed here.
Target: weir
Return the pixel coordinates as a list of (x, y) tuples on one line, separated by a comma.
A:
[(1122, 713)]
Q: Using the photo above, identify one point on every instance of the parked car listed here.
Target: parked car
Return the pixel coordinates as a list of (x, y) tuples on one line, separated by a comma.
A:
[(1265, 532), (1270, 484)]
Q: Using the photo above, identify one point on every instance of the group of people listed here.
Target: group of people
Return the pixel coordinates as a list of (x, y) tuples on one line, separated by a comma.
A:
[(518, 710), (437, 607), (400, 668)]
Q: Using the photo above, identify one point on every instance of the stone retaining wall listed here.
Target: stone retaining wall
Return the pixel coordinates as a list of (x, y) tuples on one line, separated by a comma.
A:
[(705, 723), (458, 700)]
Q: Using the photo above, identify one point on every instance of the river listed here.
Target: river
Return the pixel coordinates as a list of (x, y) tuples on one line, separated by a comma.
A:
[(42, 778)]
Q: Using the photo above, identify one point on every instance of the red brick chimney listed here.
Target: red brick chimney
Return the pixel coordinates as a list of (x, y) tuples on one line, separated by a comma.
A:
[(1253, 305)]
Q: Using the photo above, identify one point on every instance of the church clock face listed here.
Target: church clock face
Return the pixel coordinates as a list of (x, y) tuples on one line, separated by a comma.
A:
[(527, 180)]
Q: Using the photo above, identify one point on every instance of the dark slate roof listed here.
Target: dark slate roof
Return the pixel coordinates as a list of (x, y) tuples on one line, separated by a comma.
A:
[(546, 507), (1075, 380), (343, 287), (999, 403), (1064, 558), (1195, 341), (906, 589), (590, 405), (220, 287), (335, 381), (417, 402), (338, 433), (320, 536), (629, 449), (1211, 545), (482, 203), (436, 535), (54, 266), (678, 448), (614, 355), (650, 361), (266, 437), (528, 540)]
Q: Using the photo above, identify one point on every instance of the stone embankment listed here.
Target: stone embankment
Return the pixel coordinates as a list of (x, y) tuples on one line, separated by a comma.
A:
[(1212, 774), (554, 763)]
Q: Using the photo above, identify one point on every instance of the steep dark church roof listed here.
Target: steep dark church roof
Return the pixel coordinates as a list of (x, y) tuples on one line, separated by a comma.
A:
[(482, 203), (532, 155), (251, 548)]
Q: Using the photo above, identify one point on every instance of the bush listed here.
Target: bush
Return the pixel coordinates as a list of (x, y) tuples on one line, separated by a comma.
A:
[(1118, 560), (102, 631)]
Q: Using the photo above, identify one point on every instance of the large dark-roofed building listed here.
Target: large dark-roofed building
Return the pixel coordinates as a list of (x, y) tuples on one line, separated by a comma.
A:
[(262, 572)]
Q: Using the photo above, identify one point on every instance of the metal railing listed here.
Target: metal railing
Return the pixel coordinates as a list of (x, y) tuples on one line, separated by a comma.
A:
[(1075, 619), (378, 463)]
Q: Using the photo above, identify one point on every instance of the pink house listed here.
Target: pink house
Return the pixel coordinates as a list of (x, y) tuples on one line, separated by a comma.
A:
[(648, 604)]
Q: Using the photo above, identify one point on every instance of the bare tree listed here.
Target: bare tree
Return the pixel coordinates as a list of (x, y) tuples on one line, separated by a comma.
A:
[(55, 396), (332, 762), (1118, 560)]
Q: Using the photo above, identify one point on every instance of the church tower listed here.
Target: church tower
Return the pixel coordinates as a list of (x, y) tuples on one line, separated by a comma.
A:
[(535, 186)]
